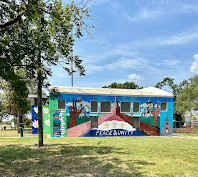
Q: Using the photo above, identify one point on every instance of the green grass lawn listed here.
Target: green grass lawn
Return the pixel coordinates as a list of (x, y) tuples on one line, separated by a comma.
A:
[(117, 156), (187, 134), (13, 133)]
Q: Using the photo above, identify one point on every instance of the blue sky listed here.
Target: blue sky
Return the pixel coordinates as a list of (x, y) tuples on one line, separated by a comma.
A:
[(137, 40)]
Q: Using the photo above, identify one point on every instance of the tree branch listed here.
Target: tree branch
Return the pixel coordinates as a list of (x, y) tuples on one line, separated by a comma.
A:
[(17, 19)]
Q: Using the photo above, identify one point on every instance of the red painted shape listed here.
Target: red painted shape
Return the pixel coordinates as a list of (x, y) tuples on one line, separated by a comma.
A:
[(155, 115), (114, 117), (79, 130), (104, 117), (127, 118), (116, 110), (149, 129), (73, 114)]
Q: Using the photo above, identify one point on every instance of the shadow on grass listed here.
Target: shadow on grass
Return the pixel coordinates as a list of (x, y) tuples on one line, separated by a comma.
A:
[(67, 160)]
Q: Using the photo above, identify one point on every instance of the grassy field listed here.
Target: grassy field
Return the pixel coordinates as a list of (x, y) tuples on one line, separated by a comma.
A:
[(187, 134), (13, 133), (118, 156)]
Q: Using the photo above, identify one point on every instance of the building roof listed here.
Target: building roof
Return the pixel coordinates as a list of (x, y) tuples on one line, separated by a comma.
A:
[(35, 96), (149, 91)]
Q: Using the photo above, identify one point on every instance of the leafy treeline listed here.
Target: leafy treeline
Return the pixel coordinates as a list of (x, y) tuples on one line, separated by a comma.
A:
[(126, 85), (185, 94)]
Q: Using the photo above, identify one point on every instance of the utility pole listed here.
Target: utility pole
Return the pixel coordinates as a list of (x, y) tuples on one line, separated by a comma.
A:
[(72, 61)]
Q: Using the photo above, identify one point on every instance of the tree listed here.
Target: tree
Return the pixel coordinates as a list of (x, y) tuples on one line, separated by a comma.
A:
[(15, 107), (3, 112), (176, 88), (126, 85), (40, 40), (188, 97)]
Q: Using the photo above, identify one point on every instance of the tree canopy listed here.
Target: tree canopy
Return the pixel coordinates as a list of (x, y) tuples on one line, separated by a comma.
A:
[(176, 88), (126, 85), (188, 97), (36, 34), (185, 94)]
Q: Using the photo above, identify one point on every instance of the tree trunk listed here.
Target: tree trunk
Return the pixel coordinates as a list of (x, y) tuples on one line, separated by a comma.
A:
[(40, 114), (40, 84), (20, 120), (15, 121), (18, 123)]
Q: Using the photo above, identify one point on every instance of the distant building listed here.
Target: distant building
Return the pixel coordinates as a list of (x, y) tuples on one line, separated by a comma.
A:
[(34, 99)]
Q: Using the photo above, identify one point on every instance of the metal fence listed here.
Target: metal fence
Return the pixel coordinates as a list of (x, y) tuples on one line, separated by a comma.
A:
[(178, 124)]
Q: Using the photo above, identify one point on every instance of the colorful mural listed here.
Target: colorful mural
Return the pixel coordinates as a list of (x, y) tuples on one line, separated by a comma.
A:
[(149, 120), (59, 124), (58, 120), (34, 110), (114, 126), (74, 113), (119, 124), (46, 119), (166, 128)]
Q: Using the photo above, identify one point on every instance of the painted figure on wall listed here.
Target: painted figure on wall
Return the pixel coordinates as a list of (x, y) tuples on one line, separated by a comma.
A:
[(81, 108), (73, 114), (166, 128), (147, 111), (87, 110), (84, 111)]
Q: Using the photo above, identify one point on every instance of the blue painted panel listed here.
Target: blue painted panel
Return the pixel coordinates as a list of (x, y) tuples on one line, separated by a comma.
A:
[(168, 113), (113, 132), (34, 110)]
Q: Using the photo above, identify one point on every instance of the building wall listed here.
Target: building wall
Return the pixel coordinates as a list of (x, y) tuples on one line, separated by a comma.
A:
[(85, 114), (164, 115)]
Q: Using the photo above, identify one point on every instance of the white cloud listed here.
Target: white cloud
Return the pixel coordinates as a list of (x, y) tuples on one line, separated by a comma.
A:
[(132, 63), (171, 63), (134, 76), (166, 40), (181, 38), (189, 8), (144, 15), (194, 66)]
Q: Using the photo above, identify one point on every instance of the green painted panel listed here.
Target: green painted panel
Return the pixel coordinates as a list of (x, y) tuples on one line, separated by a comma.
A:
[(149, 120), (79, 120), (54, 110), (46, 119), (53, 104)]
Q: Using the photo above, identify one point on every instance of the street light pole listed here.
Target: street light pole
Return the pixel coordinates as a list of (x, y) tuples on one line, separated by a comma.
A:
[(72, 61)]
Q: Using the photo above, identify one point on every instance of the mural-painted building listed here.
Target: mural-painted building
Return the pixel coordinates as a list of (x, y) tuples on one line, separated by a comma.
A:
[(111, 112)]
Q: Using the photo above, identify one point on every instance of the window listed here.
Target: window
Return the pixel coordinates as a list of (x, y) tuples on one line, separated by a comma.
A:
[(164, 107), (136, 106), (94, 106), (61, 104), (125, 106), (105, 106)]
